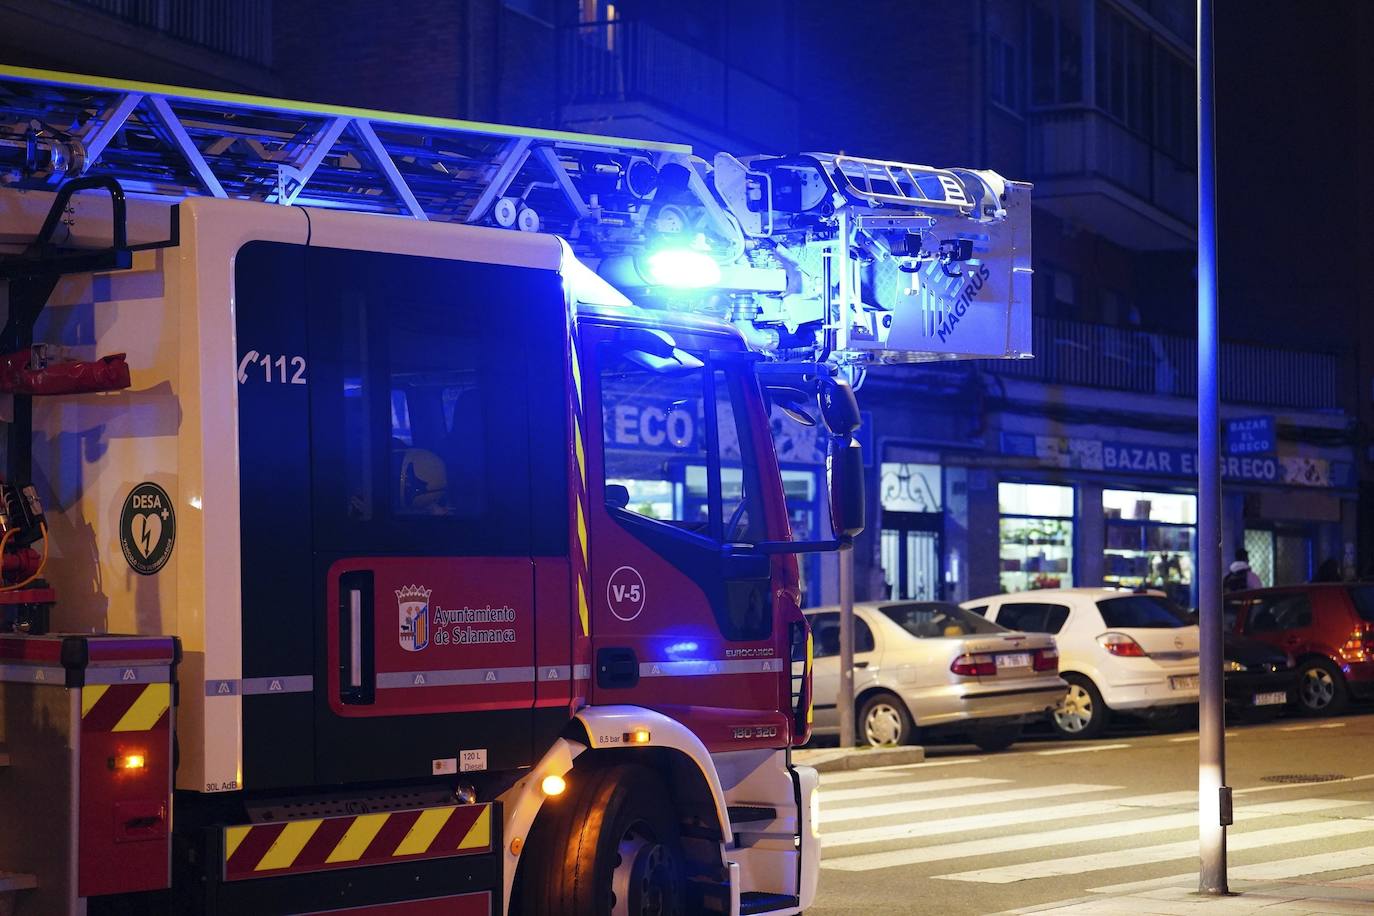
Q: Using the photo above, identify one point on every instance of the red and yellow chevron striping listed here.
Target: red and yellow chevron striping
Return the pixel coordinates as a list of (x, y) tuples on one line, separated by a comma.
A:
[(125, 707), (354, 841)]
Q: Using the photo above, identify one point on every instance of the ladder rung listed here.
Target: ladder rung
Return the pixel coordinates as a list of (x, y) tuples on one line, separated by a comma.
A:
[(16, 881)]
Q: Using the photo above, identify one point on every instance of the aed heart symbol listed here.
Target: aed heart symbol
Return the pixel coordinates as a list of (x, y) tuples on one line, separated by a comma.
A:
[(147, 531)]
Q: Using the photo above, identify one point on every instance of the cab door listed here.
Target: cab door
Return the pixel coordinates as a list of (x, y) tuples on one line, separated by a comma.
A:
[(410, 615)]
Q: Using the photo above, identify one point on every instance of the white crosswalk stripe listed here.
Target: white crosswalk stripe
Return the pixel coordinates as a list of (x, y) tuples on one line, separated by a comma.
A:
[(901, 819), (829, 796), (1069, 835), (1162, 852), (970, 800)]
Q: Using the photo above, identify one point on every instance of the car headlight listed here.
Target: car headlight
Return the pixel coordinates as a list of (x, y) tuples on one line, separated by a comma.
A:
[(1230, 665)]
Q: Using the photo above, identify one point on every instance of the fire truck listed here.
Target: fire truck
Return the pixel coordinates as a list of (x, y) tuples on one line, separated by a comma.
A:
[(391, 521)]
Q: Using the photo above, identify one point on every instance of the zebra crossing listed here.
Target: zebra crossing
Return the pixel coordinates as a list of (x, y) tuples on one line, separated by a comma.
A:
[(1001, 830)]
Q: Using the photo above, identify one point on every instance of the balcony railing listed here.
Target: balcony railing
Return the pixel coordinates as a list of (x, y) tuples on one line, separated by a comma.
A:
[(237, 28), (1126, 359), (1084, 142), (624, 61)]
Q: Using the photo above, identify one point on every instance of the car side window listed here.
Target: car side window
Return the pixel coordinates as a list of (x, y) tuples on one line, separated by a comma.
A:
[(1056, 615), (981, 610), (825, 635), (1285, 612), (1232, 610)]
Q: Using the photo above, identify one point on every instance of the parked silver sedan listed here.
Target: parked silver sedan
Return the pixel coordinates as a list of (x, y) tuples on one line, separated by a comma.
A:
[(933, 666)]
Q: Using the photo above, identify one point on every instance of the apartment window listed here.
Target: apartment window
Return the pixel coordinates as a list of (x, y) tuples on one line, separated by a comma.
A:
[(541, 11), (1175, 106), (1003, 78), (1056, 28), (1123, 69)]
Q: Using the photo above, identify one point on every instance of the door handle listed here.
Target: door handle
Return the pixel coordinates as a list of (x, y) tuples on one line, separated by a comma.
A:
[(357, 662), (861, 664), (355, 638)]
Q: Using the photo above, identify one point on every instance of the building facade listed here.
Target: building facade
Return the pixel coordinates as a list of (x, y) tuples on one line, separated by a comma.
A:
[(1076, 468)]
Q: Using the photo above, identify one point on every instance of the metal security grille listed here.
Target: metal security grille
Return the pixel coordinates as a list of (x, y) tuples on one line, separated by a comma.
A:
[(1260, 546)]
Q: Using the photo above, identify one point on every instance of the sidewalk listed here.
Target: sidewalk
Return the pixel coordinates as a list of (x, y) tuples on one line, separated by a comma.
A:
[(1178, 897), (837, 759)]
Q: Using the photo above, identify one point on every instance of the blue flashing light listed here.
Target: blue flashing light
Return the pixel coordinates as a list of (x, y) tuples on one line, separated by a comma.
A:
[(681, 268), (679, 649)]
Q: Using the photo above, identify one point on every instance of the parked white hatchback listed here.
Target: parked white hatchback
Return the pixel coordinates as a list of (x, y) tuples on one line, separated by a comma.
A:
[(933, 666), (1119, 650)]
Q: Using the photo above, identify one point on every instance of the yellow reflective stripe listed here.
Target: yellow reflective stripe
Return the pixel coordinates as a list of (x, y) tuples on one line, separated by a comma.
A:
[(576, 372), (31, 74), (582, 605), (582, 531), (577, 450), (288, 844), (479, 834), (90, 695), (147, 709), (355, 840), (233, 836), (423, 831)]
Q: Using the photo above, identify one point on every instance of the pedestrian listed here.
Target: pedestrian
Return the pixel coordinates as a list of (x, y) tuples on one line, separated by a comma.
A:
[(1329, 571), (1241, 576)]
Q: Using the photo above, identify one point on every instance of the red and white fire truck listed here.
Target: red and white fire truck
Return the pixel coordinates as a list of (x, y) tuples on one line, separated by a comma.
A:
[(391, 520)]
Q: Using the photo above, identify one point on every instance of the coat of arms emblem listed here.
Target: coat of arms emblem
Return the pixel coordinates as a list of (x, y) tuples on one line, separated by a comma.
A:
[(413, 607)]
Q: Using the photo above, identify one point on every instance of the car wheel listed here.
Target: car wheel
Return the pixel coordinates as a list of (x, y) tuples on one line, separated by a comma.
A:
[(992, 740), (608, 846), (884, 721), (1321, 689), (1081, 714)]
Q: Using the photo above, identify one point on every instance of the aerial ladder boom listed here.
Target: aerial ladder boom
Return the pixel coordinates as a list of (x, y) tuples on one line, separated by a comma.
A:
[(815, 258)]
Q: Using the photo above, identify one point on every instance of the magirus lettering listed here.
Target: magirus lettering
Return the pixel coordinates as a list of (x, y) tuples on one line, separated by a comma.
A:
[(970, 292)]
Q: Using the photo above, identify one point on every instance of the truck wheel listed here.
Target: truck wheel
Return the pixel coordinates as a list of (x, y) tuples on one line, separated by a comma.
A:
[(1321, 689), (609, 847), (1081, 714), (884, 721)]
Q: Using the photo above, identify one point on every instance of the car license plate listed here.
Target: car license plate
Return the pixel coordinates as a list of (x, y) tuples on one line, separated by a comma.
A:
[(1183, 682), (1014, 660), (1271, 699)]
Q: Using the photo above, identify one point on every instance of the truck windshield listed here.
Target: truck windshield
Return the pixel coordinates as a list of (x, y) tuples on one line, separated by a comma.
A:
[(678, 448)]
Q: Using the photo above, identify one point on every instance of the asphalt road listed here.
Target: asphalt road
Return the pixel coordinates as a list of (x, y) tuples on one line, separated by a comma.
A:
[(1047, 821)]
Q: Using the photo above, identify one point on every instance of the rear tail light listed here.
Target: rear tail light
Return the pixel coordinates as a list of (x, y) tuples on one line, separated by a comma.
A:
[(974, 666), (1360, 646), (1121, 645), (1046, 660)]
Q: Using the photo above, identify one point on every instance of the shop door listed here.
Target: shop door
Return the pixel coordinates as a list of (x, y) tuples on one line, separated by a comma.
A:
[(389, 527), (912, 560)]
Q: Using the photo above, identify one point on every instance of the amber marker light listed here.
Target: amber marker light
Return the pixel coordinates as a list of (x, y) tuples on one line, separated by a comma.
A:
[(553, 784), (128, 762), (637, 736)]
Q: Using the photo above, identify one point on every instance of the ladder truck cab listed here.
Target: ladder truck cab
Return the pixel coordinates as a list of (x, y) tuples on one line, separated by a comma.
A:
[(391, 521)]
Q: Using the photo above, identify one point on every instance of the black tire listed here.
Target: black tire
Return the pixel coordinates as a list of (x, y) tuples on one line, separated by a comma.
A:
[(993, 740), (610, 833), (1082, 713), (884, 721), (1321, 688)]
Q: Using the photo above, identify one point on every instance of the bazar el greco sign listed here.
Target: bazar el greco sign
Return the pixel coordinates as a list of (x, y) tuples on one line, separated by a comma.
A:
[(1172, 461)]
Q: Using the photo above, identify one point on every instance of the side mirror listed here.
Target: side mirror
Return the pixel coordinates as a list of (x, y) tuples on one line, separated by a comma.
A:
[(839, 407), (845, 474)]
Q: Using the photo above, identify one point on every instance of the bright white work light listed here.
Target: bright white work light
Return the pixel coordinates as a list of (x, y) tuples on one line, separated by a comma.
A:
[(681, 268)]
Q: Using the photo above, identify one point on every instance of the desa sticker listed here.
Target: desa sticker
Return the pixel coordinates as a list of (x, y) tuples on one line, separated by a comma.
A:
[(147, 528)]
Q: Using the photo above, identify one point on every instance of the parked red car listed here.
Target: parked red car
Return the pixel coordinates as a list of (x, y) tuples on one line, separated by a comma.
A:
[(1327, 628)]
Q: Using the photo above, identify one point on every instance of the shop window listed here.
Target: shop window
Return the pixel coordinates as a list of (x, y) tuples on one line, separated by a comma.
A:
[(1259, 545), (825, 635), (1033, 617), (1036, 530), (1150, 542)]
